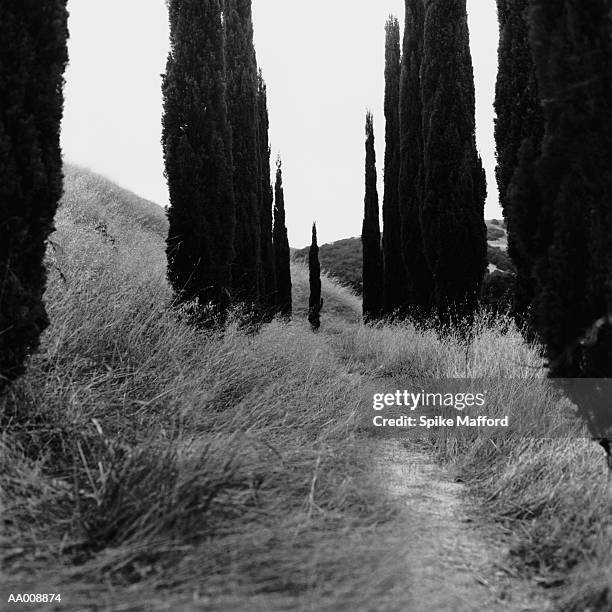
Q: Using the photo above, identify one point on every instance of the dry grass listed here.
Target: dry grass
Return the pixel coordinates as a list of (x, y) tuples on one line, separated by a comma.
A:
[(403, 350), (95, 201), (144, 461), (542, 479), (146, 465)]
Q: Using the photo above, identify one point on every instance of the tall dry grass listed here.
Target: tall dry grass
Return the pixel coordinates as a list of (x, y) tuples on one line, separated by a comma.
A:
[(401, 349), (149, 465), (542, 479)]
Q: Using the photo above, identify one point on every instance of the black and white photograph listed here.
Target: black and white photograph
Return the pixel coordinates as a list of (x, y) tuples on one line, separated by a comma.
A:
[(306, 306)]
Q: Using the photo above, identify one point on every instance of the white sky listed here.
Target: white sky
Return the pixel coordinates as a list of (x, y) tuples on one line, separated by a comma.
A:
[(323, 61)]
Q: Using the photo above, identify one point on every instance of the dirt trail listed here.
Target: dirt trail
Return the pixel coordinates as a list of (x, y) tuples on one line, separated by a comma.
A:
[(452, 562)]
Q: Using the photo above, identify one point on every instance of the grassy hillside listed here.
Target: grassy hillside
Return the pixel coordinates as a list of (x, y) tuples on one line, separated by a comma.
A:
[(343, 259), (140, 454), (93, 201), (147, 465)]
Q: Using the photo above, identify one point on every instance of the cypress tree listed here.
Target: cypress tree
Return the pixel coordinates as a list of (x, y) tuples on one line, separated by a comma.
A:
[(370, 235), (395, 292), (572, 49), (454, 186), (197, 152), (247, 273), (266, 201), (418, 273), (282, 254), (518, 135), (315, 301), (33, 58)]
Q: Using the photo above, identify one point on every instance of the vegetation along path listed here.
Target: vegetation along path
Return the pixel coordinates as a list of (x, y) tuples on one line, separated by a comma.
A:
[(451, 563), (449, 554)]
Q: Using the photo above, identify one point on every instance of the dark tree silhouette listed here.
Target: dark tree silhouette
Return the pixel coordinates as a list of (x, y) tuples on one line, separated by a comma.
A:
[(33, 57), (282, 253), (315, 301), (247, 275), (518, 134), (572, 49), (454, 186), (266, 201), (418, 274), (395, 291), (370, 234), (197, 151)]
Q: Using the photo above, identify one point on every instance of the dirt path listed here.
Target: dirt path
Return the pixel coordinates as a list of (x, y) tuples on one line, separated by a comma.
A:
[(452, 563)]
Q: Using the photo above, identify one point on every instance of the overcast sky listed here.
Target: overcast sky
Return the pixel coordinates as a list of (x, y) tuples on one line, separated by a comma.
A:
[(323, 61)]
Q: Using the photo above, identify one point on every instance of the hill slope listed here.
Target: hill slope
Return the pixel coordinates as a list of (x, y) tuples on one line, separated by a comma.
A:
[(343, 259), (140, 453), (93, 200), (148, 465)]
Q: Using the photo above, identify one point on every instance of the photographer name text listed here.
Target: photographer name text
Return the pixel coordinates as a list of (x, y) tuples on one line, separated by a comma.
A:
[(438, 421), (411, 401)]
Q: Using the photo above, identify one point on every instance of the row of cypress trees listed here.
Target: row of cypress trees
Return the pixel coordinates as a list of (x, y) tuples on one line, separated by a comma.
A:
[(224, 244), (434, 235), (554, 142), (33, 57)]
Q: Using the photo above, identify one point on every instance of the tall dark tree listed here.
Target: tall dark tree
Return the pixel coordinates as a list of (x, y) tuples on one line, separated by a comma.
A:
[(282, 254), (315, 301), (370, 234), (418, 273), (266, 200), (395, 291), (572, 47), (454, 186), (243, 113), (33, 57), (518, 134), (197, 151)]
